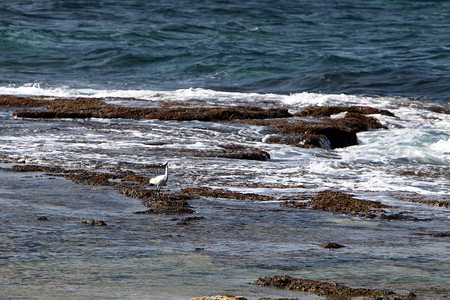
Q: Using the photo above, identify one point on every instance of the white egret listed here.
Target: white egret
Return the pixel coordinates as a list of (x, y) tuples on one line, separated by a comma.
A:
[(160, 180)]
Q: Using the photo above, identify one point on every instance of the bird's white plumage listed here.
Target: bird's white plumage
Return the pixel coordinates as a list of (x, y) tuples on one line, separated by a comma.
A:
[(160, 180)]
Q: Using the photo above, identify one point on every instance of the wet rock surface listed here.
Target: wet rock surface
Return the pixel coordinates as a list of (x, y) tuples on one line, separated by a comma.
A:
[(443, 201), (189, 220), (329, 290), (127, 182), (327, 111), (329, 133), (232, 151), (94, 222), (331, 245), (339, 202), (346, 204), (97, 108), (442, 234), (222, 193), (220, 297), (309, 135), (159, 203)]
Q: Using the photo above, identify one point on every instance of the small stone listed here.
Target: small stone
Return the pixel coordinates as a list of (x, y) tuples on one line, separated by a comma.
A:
[(331, 245), (442, 234), (94, 222)]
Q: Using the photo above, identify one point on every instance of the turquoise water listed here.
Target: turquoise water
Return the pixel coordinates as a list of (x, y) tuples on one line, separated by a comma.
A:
[(377, 48)]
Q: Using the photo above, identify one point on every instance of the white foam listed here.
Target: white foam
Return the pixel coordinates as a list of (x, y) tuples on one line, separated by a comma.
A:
[(442, 146), (416, 137)]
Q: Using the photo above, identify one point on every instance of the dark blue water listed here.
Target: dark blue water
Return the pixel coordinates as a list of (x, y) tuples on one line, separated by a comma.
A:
[(379, 47)]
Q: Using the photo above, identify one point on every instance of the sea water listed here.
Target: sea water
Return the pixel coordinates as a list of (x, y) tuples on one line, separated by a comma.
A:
[(390, 55)]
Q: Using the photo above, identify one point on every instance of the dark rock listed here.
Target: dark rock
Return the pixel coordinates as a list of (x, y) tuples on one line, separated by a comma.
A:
[(34, 168), (221, 193), (16, 101), (442, 234), (42, 218), (96, 108), (439, 109), (295, 204), (241, 152), (94, 222), (331, 245), (126, 182), (329, 134), (329, 290), (326, 111), (91, 178), (159, 203), (221, 297), (279, 299), (307, 135), (414, 198), (358, 122), (339, 202), (231, 151), (398, 216), (189, 220), (336, 201)]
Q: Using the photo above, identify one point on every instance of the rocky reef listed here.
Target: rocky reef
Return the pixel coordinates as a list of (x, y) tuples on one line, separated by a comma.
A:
[(343, 203), (329, 290), (326, 127)]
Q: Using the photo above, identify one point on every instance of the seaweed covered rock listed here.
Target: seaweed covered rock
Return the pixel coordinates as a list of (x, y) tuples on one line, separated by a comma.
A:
[(231, 151), (336, 201), (159, 203), (329, 290), (222, 193), (327, 111), (308, 134), (339, 202), (97, 108), (326, 132)]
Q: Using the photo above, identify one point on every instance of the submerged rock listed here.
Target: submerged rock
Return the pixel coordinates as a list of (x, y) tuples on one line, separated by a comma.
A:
[(231, 151), (339, 202), (331, 245), (159, 203), (336, 201), (441, 234), (327, 111), (189, 220), (329, 133), (329, 290), (94, 222), (220, 297), (398, 216), (128, 183), (222, 193)]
